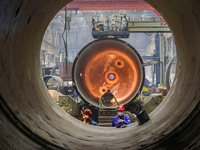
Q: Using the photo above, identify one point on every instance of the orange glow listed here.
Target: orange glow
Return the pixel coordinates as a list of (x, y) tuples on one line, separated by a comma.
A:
[(112, 70), (108, 64)]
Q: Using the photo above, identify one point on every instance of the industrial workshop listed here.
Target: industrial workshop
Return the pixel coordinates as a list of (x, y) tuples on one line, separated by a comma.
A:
[(99, 74)]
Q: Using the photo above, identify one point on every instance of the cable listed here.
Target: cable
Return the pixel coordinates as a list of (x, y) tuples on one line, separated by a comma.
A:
[(65, 39)]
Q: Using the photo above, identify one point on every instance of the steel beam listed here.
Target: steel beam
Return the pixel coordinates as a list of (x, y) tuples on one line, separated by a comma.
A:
[(109, 5), (148, 26)]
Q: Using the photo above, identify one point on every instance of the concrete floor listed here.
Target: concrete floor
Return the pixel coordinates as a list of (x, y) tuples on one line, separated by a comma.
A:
[(30, 119)]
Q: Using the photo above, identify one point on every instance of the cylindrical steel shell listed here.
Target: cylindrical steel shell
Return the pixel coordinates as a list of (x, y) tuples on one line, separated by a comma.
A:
[(108, 64)]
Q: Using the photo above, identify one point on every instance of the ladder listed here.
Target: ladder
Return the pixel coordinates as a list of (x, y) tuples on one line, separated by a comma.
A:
[(105, 117)]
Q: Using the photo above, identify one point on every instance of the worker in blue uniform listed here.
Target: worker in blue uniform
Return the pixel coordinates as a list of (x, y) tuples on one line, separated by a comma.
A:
[(87, 117), (75, 95), (121, 120)]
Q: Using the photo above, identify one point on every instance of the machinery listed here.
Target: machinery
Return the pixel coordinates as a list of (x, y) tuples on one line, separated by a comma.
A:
[(115, 25), (108, 72), (55, 88)]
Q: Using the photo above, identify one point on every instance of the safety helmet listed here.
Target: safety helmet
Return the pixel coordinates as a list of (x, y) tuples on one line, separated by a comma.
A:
[(121, 108), (87, 112)]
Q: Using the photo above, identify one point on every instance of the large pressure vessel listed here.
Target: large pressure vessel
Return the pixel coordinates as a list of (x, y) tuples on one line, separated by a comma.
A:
[(108, 65)]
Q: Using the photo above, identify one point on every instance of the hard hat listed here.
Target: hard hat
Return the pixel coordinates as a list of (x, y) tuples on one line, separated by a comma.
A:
[(121, 108), (87, 112)]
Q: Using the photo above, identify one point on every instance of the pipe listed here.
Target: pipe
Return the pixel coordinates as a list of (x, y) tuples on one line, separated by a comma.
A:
[(33, 120), (108, 64)]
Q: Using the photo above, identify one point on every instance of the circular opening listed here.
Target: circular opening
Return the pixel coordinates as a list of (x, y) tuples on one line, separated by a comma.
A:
[(111, 76), (24, 92)]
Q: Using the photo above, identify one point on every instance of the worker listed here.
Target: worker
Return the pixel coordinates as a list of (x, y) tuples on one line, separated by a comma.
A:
[(152, 89), (75, 95), (121, 120), (87, 117)]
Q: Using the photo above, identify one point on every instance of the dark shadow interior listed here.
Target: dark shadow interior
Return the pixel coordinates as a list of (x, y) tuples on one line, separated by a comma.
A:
[(29, 120)]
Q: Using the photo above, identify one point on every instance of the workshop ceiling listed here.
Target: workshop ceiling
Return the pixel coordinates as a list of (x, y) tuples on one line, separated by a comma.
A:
[(82, 11)]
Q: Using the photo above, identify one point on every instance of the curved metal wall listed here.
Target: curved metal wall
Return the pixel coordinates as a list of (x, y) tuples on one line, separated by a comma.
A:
[(30, 119)]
